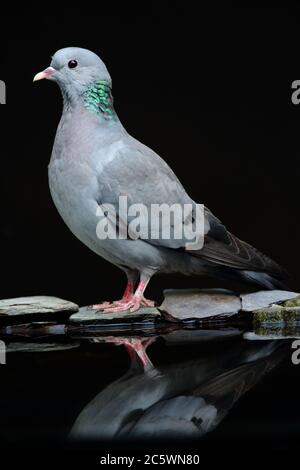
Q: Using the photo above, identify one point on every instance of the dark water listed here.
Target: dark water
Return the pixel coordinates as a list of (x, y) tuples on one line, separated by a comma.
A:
[(134, 391)]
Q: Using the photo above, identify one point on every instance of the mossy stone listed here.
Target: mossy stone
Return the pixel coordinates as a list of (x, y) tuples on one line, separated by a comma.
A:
[(277, 314)]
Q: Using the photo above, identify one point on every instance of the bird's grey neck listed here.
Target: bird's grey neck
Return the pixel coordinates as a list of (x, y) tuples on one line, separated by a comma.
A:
[(96, 98)]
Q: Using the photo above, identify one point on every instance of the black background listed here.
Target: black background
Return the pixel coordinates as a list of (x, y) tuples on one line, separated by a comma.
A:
[(209, 91)]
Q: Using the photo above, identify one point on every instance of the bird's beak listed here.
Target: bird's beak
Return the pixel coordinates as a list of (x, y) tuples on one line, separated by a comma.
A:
[(47, 73)]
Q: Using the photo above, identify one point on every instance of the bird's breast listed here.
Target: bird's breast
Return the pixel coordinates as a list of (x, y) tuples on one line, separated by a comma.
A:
[(80, 154)]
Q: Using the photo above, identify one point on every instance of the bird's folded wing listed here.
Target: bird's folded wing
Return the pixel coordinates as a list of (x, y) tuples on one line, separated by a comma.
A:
[(147, 181), (140, 174)]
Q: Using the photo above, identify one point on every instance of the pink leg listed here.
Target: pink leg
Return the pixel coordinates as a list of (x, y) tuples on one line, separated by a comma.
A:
[(135, 347), (128, 293), (135, 301), (138, 347)]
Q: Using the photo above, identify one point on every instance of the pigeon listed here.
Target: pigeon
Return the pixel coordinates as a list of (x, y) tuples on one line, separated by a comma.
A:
[(95, 162), (184, 400)]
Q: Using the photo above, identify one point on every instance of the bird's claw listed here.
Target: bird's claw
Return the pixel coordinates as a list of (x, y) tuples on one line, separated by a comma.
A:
[(123, 305), (101, 306), (131, 305)]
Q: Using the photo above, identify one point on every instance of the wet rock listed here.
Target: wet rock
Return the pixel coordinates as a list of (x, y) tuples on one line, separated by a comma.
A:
[(277, 314), (30, 347), (87, 316), (34, 329), (35, 305), (200, 304), (294, 302), (264, 298), (270, 333), (281, 308), (200, 336)]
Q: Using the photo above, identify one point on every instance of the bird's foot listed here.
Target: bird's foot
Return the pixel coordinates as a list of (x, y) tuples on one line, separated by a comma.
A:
[(136, 347), (103, 306), (144, 302), (133, 343), (132, 304), (127, 296), (110, 305)]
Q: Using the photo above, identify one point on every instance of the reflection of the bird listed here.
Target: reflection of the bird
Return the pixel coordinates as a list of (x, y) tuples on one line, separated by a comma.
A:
[(182, 400)]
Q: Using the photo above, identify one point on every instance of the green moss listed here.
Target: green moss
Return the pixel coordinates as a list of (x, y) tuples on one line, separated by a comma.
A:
[(292, 302), (277, 331), (267, 314), (277, 314)]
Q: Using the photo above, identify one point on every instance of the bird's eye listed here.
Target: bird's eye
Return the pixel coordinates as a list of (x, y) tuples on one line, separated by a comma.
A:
[(72, 64)]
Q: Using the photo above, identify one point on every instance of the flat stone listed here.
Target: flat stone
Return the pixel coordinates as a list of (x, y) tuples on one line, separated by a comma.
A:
[(30, 347), (200, 304), (200, 336), (35, 305), (277, 314), (267, 334), (95, 317), (34, 329), (264, 298)]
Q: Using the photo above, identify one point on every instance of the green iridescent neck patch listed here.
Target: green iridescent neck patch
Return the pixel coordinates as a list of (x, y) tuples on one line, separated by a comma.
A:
[(98, 98)]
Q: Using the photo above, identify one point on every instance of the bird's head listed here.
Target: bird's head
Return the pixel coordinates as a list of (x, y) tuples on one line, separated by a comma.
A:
[(75, 70)]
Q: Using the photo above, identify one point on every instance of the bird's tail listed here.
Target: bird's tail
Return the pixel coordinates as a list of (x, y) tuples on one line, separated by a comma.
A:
[(264, 280), (256, 278)]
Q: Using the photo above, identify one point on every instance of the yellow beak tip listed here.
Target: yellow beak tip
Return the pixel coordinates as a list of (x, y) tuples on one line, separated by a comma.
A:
[(38, 76)]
